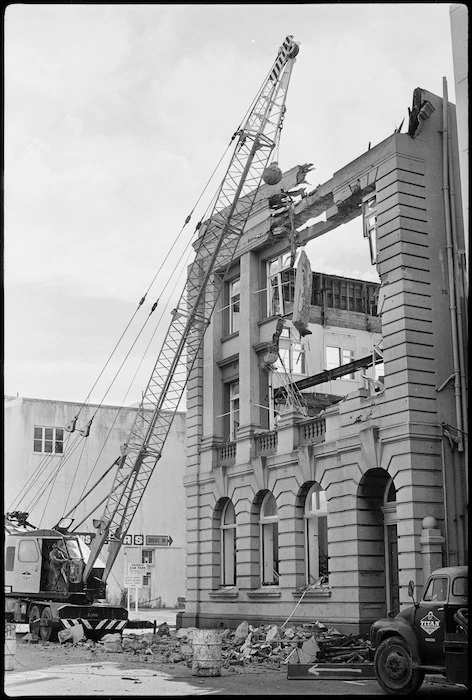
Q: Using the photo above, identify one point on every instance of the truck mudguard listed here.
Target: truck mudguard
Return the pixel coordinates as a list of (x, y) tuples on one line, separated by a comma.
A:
[(399, 627)]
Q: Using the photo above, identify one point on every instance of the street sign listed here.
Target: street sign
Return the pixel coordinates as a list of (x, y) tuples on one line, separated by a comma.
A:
[(158, 540), (135, 581), (140, 569)]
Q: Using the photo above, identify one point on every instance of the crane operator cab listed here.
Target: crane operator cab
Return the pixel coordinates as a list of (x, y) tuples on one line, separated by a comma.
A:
[(49, 561), (62, 565)]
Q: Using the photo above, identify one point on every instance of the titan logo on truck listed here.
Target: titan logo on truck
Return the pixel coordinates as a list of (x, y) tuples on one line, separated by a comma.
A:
[(430, 623)]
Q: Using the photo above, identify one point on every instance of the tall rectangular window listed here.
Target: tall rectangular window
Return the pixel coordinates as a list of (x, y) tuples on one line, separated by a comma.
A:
[(233, 410), (48, 440), (369, 211), (234, 306), (335, 357), (291, 354), (228, 545), (269, 541), (146, 556), (280, 284)]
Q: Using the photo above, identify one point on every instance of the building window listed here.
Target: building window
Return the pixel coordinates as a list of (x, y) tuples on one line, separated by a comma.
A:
[(269, 541), (280, 284), (146, 580), (233, 410), (335, 357), (234, 306), (291, 354), (48, 440), (228, 545), (369, 211), (316, 534), (147, 556)]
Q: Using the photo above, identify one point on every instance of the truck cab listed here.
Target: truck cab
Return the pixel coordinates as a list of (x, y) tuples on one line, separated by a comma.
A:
[(429, 637)]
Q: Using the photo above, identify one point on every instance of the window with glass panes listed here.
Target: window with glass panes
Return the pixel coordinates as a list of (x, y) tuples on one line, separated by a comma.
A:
[(291, 354), (228, 545), (269, 541), (146, 556), (336, 356), (316, 534), (280, 284), (48, 440), (233, 409), (234, 306), (370, 226)]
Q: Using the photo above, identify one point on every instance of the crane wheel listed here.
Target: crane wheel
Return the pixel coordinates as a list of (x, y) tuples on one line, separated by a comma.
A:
[(46, 631), (34, 618)]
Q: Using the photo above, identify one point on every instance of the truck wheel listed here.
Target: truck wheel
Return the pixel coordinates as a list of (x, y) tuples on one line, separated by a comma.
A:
[(394, 669), (47, 633), (34, 618)]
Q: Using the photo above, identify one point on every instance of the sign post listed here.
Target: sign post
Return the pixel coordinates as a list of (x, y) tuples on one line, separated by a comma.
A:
[(134, 579)]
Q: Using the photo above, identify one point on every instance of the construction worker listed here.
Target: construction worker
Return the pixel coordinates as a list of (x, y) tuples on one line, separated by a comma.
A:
[(58, 559)]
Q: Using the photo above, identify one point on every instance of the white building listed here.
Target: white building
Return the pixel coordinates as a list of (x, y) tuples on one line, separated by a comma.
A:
[(49, 470)]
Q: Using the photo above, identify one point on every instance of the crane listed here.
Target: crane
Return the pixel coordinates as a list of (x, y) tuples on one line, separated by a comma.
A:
[(214, 252)]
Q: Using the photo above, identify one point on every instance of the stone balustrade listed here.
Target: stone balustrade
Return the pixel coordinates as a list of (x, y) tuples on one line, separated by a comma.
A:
[(306, 432)]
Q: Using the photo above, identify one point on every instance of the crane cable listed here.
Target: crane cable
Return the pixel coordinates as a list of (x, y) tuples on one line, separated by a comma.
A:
[(141, 302), (47, 459), (35, 499), (39, 471), (135, 374), (150, 285)]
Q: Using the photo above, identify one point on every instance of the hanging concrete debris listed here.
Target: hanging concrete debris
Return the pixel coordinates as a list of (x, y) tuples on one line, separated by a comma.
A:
[(302, 296)]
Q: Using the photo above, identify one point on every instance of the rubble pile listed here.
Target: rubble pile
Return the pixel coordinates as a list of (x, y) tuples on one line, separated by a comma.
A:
[(246, 647)]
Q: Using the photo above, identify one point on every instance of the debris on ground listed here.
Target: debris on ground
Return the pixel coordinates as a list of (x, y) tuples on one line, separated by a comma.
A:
[(74, 634), (246, 648)]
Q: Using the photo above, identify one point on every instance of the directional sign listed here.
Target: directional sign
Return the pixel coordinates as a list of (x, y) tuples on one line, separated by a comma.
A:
[(158, 540), (325, 671)]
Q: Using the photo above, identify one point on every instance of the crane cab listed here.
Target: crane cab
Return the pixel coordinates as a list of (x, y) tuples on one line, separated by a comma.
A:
[(28, 568)]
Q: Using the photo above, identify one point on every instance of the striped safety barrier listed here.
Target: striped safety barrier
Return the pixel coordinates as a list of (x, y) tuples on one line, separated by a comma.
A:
[(104, 625)]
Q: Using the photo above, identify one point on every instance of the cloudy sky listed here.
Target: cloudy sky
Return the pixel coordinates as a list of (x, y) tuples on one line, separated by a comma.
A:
[(115, 118)]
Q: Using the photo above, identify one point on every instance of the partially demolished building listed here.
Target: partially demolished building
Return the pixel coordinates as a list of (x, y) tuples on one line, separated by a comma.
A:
[(326, 416)]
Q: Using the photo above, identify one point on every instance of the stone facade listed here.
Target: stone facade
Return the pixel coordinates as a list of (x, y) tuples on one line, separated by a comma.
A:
[(385, 459)]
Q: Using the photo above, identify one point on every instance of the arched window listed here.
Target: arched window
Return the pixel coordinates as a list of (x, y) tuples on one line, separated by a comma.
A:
[(269, 540), (316, 534), (228, 545)]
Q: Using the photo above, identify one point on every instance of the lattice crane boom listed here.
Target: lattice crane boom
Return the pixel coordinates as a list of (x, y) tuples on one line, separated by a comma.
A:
[(215, 250)]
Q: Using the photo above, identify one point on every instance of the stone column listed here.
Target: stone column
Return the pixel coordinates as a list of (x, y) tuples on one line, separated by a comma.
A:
[(249, 411), (431, 542)]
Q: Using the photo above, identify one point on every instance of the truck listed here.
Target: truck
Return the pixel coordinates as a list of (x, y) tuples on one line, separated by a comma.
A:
[(76, 592), (49, 603), (430, 637)]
